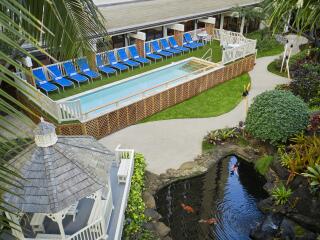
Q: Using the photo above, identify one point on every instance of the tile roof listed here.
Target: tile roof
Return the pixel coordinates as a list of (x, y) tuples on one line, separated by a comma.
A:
[(57, 176)]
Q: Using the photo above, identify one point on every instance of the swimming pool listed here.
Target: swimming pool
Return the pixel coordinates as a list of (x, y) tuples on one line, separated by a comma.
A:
[(124, 92)]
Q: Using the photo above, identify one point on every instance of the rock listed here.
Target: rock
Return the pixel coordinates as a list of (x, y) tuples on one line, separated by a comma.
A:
[(149, 200), (167, 238), (188, 165), (268, 228), (161, 229), (287, 229), (151, 213), (265, 205)]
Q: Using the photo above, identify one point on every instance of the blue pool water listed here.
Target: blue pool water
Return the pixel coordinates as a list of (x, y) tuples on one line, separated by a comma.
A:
[(125, 89)]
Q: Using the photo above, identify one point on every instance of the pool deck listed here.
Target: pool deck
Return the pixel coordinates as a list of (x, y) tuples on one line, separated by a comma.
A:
[(169, 143)]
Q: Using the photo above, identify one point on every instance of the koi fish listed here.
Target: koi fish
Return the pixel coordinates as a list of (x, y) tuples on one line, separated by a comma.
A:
[(187, 208), (208, 221)]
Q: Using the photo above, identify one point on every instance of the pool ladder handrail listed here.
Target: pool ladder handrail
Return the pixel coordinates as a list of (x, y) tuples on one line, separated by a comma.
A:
[(209, 57)]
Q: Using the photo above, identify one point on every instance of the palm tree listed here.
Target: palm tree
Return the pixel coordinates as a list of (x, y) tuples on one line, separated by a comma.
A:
[(251, 14), (303, 16), (59, 29)]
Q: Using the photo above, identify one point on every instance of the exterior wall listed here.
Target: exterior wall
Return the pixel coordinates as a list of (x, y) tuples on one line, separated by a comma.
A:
[(178, 35), (140, 47), (209, 28), (131, 114)]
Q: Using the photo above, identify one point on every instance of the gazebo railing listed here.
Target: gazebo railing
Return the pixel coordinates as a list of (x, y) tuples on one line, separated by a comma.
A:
[(95, 231)]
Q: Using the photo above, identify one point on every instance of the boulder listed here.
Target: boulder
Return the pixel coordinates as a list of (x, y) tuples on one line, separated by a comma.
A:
[(151, 213), (188, 165), (149, 200), (161, 229)]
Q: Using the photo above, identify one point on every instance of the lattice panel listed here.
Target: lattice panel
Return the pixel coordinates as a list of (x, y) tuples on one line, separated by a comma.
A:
[(122, 117), (179, 94), (172, 96), (132, 112), (103, 123), (185, 91), (113, 121), (149, 106), (92, 128), (156, 103), (164, 96), (140, 113), (191, 88)]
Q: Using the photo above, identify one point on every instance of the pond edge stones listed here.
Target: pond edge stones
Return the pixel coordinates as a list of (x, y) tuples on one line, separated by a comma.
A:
[(199, 166)]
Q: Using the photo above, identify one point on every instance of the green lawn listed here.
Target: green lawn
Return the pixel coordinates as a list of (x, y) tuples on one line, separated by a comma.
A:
[(266, 43), (213, 102), (216, 57), (273, 67)]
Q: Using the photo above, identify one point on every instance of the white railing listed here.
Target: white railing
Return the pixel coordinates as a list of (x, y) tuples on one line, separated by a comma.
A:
[(70, 110), (228, 37), (237, 52), (124, 155), (142, 94), (194, 33), (40, 99), (95, 231)]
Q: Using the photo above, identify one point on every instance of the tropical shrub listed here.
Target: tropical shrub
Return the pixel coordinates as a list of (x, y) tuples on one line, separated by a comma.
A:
[(135, 217), (313, 173), (314, 125), (281, 195), (218, 136), (304, 152), (262, 164), (276, 115), (306, 81)]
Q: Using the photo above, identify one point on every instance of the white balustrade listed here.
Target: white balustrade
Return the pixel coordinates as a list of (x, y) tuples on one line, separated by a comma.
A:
[(70, 110), (40, 99), (95, 231), (124, 155), (237, 52)]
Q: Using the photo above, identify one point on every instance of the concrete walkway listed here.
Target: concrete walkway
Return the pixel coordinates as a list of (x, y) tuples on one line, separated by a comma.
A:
[(169, 143)]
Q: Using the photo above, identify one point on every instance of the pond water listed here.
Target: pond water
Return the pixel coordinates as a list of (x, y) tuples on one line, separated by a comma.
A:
[(222, 195)]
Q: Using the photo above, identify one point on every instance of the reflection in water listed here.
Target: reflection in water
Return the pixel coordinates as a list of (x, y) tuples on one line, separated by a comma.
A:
[(223, 199)]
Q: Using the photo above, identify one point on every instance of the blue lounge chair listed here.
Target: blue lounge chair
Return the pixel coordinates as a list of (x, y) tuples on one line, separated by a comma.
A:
[(114, 63), (102, 67), (189, 45), (57, 77), (158, 50), (189, 40), (166, 46), (175, 45), (85, 69), (42, 81), (134, 54), (73, 74), (150, 55), (124, 58)]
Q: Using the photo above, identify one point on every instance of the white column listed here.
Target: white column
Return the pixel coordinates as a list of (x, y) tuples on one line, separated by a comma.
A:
[(126, 40), (221, 21), (165, 31), (58, 217), (243, 20), (195, 24)]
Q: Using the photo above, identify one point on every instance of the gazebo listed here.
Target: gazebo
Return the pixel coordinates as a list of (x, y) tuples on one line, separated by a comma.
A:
[(66, 191)]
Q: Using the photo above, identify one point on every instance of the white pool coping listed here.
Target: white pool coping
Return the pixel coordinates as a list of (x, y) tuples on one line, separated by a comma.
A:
[(73, 97)]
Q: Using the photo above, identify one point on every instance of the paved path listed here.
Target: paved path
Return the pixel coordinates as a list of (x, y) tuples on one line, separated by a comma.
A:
[(169, 143)]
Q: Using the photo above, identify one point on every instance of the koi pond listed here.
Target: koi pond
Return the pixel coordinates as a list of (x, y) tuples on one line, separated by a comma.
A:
[(220, 204)]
